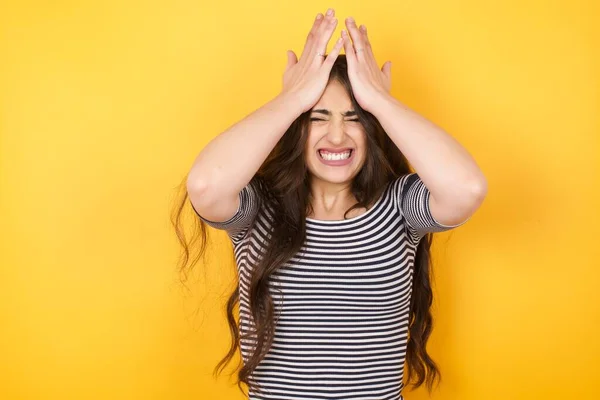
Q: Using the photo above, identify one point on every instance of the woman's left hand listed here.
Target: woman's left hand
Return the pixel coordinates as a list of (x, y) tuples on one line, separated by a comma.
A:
[(369, 83)]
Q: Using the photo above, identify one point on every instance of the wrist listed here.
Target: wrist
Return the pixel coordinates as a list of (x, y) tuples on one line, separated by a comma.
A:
[(291, 102), (385, 104), (384, 100)]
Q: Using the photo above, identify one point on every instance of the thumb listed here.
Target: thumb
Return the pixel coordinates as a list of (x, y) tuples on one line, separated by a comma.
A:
[(387, 69), (292, 59)]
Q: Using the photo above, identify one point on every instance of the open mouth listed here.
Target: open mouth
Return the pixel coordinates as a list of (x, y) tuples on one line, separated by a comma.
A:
[(337, 156)]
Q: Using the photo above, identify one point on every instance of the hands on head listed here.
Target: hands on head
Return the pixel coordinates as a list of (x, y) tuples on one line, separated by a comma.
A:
[(307, 78)]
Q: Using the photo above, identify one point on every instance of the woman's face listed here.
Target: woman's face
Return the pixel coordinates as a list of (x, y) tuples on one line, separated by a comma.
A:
[(334, 133)]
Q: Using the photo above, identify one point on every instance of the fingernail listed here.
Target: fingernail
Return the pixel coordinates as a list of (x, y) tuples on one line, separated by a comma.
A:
[(319, 16), (329, 11), (350, 19)]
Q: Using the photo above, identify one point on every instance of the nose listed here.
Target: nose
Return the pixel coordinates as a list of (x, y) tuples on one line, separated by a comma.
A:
[(336, 133)]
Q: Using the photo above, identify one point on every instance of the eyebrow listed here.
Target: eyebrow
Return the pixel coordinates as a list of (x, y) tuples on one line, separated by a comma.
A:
[(329, 113)]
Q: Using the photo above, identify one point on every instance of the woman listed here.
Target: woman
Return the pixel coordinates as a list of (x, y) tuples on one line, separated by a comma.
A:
[(331, 231)]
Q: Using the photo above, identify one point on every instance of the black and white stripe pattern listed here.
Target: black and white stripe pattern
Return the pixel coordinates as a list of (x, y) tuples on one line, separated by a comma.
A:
[(342, 300)]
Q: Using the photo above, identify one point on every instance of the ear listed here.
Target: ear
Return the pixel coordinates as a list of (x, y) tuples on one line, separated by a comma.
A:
[(292, 59)]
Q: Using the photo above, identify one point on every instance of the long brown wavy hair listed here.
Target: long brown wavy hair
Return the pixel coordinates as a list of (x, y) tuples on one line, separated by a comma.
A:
[(283, 184)]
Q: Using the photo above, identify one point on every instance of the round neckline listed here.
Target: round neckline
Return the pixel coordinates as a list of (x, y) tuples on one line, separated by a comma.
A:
[(348, 220)]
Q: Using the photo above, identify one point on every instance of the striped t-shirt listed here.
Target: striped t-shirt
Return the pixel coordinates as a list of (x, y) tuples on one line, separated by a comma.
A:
[(342, 301)]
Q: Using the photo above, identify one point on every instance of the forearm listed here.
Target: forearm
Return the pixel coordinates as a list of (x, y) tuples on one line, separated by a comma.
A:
[(230, 160), (447, 169)]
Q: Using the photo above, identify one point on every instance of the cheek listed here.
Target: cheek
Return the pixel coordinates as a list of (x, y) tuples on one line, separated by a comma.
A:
[(310, 146), (362, 144), (309, 153), (361, 141)]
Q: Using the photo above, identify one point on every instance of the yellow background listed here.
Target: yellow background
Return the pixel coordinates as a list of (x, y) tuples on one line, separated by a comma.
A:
[(104, 105)]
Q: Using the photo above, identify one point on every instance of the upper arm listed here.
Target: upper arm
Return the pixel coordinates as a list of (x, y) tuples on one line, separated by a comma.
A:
[(419, 208), (234, 215)]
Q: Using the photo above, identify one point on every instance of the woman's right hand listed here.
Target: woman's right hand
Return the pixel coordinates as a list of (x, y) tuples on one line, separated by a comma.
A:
[(306, 79)]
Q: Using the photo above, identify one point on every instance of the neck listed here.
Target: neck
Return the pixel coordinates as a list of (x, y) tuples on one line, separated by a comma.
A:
[(328, 198)]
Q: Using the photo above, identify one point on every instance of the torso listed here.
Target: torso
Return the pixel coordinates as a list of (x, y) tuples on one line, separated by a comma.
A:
[(343, 307)]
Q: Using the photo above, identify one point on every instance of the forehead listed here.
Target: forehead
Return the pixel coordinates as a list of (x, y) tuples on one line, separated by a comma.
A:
[(334, 98)]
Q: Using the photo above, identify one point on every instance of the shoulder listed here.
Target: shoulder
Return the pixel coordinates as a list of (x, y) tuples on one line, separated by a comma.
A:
[(399, 185)]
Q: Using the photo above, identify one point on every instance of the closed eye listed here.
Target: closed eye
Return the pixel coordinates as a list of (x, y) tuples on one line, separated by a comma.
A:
[(349, 120)]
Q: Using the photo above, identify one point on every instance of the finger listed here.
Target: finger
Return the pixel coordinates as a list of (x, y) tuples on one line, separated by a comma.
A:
[(366, 43), (291, 59), (333, 55), (326, 31), (356, 38), (368, 49), (312, 36), (349, 50)]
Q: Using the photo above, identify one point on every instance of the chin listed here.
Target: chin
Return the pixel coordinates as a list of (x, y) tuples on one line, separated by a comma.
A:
[(332, 176)]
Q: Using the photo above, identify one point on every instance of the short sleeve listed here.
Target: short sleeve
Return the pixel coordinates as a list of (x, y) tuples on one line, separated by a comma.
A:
[(237, 226), (412, 198)]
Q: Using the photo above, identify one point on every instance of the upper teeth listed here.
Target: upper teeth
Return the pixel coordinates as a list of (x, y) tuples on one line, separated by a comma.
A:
[(334, 156)]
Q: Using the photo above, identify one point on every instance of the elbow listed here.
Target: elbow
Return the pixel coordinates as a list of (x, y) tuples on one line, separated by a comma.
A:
[(198, 193), (196, 190), (475, 193), (471, 200), (470, 196), (467, 194), (479, 188), (195, 183), (202, 190)]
